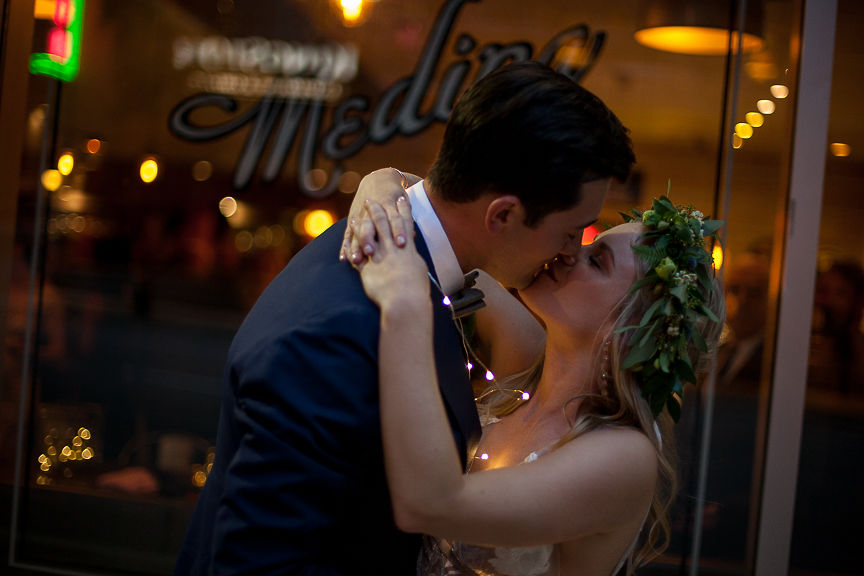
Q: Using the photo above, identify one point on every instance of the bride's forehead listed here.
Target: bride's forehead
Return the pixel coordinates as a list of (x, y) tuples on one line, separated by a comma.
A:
[(622, 233)]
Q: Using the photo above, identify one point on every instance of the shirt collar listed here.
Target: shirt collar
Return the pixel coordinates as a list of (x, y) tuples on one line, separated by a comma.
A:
[(444, 260)]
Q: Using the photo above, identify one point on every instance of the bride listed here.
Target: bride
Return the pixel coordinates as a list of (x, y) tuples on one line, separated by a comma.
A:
[(575, 471)]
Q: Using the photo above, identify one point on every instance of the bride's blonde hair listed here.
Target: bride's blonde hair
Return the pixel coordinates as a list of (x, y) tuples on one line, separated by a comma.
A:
[(618, 401)]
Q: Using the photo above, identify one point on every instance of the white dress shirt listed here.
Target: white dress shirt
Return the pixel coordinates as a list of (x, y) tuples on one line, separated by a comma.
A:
[(447, 268)]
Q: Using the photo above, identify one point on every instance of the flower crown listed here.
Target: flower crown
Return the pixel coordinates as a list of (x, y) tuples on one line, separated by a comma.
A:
[(679, 265)]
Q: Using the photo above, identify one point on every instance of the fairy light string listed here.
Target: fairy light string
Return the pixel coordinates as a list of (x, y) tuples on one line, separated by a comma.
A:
[(472, 358)]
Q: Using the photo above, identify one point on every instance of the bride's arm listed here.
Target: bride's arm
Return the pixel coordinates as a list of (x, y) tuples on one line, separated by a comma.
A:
[(507, 336), (592, 484)]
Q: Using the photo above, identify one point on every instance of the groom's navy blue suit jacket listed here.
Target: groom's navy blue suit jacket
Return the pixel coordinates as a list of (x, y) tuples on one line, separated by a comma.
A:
[(298, 484)]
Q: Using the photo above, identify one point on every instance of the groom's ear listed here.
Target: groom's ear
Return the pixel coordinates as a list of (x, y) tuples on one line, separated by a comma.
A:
[(503, 211)]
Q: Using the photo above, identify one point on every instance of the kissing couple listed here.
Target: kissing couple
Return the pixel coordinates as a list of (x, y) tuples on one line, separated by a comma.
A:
[(370, 423)]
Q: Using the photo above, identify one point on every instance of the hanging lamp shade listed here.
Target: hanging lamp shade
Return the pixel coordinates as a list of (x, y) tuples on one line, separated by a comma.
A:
[(698, 26)]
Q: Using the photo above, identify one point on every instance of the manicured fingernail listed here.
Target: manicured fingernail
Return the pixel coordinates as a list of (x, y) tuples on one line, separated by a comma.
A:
[(367, 249), (341, 256), (355, 256), (400, 240), (401, 198)]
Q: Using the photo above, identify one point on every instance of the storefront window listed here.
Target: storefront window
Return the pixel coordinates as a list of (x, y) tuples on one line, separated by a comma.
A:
[(203, 143)]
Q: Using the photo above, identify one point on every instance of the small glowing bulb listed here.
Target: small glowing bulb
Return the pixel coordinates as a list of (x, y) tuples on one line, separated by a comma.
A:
[(469, 365), (446, 301), (484, 456), (489, 375), (526, 396)]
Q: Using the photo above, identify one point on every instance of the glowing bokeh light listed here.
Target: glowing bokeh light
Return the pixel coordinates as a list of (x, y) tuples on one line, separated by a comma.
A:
[(202, 170), (717, 255), (65, 164), (779, 91), (316, 222), (149, 170), (351, 10), (736, 141), (228, 206), (51, 180), (589, 234), (244, 241), (94, 145), (840, 149), (765, 106), (744, 130), (755, 119)]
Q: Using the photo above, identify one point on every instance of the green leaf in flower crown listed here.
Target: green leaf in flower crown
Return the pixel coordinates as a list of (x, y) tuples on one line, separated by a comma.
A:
[(698, 340), (664, 361), (709, 227), (646, 340), (650, 312), (680, 292), (682, 366), (637, 355), (707, 312), (650, 278), (651, 254), (663, 203)]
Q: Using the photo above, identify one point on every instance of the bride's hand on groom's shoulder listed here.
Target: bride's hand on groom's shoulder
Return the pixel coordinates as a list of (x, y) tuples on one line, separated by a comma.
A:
[(394, 277), (384, 186)]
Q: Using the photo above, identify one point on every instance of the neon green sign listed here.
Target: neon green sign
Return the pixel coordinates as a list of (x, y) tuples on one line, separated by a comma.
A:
[(62, 58)]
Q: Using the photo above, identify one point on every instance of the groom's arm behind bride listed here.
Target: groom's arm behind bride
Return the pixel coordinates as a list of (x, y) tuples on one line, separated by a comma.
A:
[(298, 485)]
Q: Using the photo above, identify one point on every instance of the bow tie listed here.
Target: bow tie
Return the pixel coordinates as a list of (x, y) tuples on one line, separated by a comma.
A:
[(468, 300)]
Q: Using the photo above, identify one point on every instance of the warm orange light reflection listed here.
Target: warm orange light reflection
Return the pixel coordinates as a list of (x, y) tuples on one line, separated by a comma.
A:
[(717, 255), (840, 149), (694, 40), (94, 145), (51, 180), (44, 9), (317, 221), (736, 141), (351, 10), (589, 234)]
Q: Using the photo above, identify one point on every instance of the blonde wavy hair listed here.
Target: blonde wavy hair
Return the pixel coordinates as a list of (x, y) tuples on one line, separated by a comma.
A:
[(621, 403)]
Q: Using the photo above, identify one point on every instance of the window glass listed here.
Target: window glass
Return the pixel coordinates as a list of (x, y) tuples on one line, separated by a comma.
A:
[(204, 142)]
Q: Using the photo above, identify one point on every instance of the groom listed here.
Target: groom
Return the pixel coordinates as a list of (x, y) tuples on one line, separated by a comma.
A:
[(298, 485)]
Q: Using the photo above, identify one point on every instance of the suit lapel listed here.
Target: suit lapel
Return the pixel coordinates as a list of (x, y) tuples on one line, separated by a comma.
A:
[(450, 365)]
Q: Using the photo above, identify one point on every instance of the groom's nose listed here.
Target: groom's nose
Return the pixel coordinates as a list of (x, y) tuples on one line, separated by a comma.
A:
[(571, 250)]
